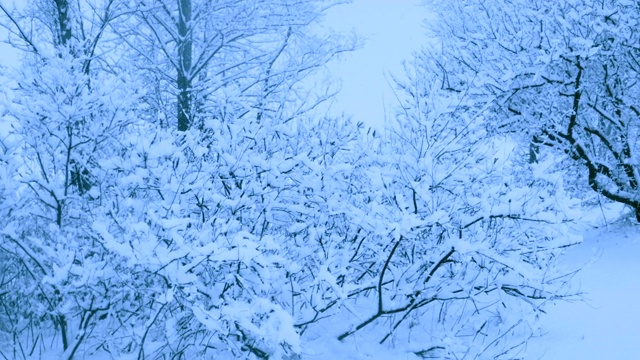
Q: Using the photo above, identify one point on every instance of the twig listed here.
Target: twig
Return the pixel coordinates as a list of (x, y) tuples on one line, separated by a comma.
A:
[(22, 34), (384, 269)]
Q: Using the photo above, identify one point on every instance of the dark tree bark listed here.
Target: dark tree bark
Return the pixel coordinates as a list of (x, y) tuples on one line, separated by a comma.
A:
[(64, 23), (185, 46)]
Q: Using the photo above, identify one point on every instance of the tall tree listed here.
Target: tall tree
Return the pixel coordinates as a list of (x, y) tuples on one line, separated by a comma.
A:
[(229, 57), (66, 114)]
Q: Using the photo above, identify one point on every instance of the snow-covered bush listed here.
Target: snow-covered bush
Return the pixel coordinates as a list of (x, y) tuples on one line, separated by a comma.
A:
[(64, 122), (453, 242), (250, 232), (127, 238)]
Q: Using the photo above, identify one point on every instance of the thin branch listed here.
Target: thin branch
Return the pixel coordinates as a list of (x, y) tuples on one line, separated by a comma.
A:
[(384, 269), (23, 36)]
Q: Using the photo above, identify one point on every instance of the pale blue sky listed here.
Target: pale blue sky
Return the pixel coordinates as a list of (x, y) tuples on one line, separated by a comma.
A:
[(393, 29)]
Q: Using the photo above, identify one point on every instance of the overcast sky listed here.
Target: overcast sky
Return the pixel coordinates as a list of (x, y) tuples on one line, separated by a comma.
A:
[(392, 29)]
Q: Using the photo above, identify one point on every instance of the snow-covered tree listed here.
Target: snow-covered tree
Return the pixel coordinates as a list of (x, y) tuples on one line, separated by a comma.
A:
[(167, 193), (560, 74), (230, 59), (66, 113), (125, 237)]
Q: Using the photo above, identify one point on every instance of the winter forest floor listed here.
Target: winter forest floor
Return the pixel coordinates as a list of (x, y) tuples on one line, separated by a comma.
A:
[(605, 325)]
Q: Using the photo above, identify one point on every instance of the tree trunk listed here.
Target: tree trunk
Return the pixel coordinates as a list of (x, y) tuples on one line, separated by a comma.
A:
[(184, 71), (64, 23)]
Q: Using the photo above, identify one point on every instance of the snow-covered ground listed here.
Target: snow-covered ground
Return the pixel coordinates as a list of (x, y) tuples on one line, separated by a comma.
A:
[(602, 326), (605, 325)]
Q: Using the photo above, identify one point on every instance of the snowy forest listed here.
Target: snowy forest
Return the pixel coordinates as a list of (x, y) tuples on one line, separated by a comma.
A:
[(172, 186)]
